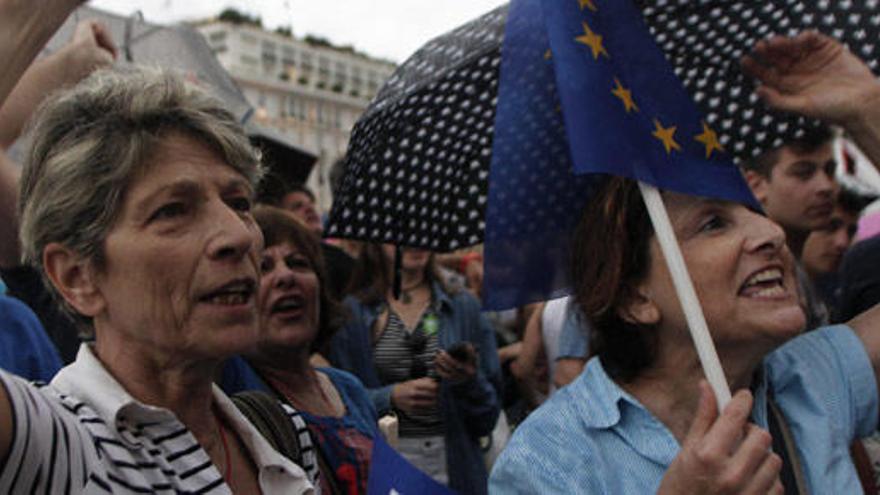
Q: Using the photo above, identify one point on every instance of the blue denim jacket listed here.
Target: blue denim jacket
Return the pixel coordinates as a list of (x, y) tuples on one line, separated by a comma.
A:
[(470, 409)]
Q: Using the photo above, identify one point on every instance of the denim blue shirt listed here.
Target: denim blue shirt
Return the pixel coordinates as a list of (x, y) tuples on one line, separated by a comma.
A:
[(470, 409), (574, 336), (593, 437)]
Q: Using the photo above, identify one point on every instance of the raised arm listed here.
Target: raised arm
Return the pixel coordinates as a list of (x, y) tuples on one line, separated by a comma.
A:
[(25, 27), (90, 48), (815, 75)]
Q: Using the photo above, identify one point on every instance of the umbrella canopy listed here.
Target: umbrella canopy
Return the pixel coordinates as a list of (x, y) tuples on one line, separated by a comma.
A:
[(396, 192), (418, 160), (704, 41)]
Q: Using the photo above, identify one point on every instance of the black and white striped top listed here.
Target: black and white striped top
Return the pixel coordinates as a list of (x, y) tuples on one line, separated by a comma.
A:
[(85, 434), (396, 357)]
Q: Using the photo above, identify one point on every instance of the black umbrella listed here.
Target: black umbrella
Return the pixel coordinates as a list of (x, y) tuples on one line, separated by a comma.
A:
[(418, 161), (705, 40), (419, 158)]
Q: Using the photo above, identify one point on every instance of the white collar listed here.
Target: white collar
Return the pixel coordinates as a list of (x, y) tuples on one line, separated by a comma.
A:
[(87, 380)]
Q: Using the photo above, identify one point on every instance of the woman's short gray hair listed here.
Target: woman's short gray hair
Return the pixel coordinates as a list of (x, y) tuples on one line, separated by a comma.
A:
[(90, 142)]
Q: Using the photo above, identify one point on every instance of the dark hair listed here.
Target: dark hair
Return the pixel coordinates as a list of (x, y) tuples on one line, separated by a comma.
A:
[(279, 227), (853, 202), (812, 140), (610, 256), (301, 188), (371, 279)]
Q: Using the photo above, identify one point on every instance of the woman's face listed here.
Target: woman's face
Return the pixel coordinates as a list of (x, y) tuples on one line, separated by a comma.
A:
[(742, 271), (181, 269), (414, 259), (289, 297)]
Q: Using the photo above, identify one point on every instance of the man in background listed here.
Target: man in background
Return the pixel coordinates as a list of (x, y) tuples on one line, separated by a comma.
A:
[(300, 201), (825, 247)]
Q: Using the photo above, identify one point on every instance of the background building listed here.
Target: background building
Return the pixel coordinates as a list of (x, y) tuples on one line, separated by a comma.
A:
[(305, 88)]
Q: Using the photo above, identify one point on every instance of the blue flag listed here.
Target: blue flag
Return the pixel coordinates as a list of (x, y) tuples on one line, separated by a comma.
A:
[(534, 195), (583, 90), (391, 474), (626, 113)]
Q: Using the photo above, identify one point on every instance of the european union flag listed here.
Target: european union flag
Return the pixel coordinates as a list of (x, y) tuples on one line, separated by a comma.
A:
[(391, 474), (626, 113), (534, 195), (583, 90)]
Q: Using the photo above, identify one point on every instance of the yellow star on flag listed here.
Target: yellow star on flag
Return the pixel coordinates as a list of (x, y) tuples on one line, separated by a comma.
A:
[(665, 134), (625, 96), (588, 4), (593, 40), (709, 140)]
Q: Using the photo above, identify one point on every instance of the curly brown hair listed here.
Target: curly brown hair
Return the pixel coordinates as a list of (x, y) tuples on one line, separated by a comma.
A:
[(281, 226)]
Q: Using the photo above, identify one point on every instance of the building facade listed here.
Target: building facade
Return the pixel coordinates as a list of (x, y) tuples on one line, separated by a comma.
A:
[(311, 92)]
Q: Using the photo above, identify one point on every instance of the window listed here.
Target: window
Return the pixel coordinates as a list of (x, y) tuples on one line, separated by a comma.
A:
[(268, 53), (288, 56)]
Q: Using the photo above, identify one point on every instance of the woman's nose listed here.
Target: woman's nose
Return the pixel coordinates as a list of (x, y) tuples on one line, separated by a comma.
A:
[(763, 233), (235, 235)]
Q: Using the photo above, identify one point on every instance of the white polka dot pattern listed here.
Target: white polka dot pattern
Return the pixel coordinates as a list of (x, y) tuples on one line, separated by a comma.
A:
[(705, 39), (418, 163)]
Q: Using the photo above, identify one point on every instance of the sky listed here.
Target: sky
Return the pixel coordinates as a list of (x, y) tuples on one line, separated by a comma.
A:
[(389, 29)]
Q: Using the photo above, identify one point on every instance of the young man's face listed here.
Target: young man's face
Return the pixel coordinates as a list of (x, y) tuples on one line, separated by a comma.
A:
[(800, 190), (826, 246)]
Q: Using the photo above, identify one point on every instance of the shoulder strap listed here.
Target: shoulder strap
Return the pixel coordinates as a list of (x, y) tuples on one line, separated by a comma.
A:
[(267, 414), (783, 444), (270, 419)]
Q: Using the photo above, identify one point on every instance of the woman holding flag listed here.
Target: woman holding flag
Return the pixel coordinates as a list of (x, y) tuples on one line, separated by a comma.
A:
[(641, 419)]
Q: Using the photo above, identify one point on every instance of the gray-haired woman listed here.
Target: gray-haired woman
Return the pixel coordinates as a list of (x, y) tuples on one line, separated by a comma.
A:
[(135, 205)]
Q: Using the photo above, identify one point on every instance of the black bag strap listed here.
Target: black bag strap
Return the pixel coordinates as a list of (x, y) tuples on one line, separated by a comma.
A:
[(268, 416), (328, 475), (792, 475)]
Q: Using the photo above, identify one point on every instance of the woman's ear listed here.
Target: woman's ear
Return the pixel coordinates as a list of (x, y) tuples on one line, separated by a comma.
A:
[(640, 308), (74, 278)]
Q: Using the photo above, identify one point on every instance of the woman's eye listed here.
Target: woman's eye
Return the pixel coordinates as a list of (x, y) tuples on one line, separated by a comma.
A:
[(299, 263), (167, 211), (241, 204), (713, 222), (266, 265)]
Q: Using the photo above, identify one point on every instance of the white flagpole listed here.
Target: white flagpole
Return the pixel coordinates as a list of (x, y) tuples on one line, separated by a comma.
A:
[(693, 312)]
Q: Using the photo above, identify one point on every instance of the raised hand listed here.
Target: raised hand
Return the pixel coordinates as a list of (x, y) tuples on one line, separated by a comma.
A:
[(724, 454), (90, 48), (813, 75)]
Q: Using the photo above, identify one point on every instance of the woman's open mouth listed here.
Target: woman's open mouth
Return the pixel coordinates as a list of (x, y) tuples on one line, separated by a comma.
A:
[(766, 283)]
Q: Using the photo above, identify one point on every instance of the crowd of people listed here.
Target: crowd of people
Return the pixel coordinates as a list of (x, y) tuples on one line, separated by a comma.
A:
[(166, 330)]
